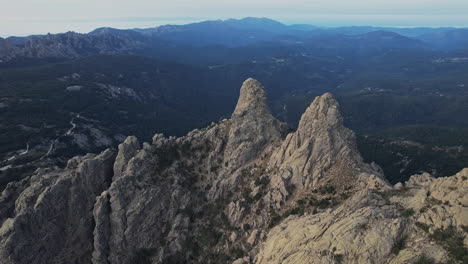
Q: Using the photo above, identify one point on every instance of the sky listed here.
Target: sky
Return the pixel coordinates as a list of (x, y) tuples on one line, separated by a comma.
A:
[(26, 17)]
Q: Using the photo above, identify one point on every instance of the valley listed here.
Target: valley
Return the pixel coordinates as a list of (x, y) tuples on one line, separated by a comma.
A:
[(100, 87)]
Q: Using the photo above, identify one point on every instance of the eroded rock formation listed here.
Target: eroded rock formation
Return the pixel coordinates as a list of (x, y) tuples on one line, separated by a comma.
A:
[(239, 191)]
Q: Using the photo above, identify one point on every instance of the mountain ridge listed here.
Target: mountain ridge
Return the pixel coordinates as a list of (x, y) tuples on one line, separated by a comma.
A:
[(227, 193), (229, 33)]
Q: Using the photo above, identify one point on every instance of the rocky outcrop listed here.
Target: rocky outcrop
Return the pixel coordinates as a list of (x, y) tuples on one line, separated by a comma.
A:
[(252, 134), (239, 191), (320, 141), (362, 230), (127, 150), (253, 127), (427, 217), (322, 151), (142, 211), (442, 203), (52, 220)]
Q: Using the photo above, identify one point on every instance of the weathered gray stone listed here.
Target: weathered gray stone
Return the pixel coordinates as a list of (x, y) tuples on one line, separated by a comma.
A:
[(127, 150), (239, 191), (52, 220)]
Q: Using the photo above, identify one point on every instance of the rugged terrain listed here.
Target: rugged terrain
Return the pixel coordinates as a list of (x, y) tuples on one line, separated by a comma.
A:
[(242, 190), (63, 95)]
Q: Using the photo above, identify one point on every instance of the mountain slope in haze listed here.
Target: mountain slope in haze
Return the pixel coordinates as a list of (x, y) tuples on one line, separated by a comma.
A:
[(227, 33), (240, 191), (231, 32), (447, 40), (250, 23)]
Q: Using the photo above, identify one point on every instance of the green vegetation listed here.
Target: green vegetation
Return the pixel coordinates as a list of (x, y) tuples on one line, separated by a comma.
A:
[(209, 236), (246, 195), (299, 210), (327, 189), (262, 181), (14, 174), (166, 157), (433, 201), (170, 98), (423, 226), (324, 203), (144, 256), (237, 252), (407, 212), (275, 218), (424, 260), (405, 151), (338, 258), (452, 241), (306, 205), (363, 226), (399, 244)]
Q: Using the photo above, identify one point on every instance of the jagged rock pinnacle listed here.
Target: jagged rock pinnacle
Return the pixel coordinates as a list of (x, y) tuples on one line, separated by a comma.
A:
[(252, 99), (320, 145), (127, 150), (323, 113), (253, 126)]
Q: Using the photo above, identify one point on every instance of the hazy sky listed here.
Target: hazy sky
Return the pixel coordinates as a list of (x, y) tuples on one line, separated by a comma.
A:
[(24, 17)]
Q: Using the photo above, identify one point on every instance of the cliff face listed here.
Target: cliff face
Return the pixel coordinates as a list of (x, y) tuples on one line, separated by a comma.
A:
[(239, 191), (47, 218)]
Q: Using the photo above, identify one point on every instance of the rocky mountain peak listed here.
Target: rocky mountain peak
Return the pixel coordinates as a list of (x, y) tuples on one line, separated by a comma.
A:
[(321, 150), (322, 116), (252, 99), (235, 192), (325, 109), (253, 128)]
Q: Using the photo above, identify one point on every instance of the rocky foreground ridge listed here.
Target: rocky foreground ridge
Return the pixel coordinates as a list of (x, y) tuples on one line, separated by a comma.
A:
[(240, 191)]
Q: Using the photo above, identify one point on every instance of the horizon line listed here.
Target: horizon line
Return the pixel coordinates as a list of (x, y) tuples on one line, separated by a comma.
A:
[(193, 20)]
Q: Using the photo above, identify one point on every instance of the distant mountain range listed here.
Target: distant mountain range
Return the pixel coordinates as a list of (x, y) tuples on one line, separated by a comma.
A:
[(229, 33)]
